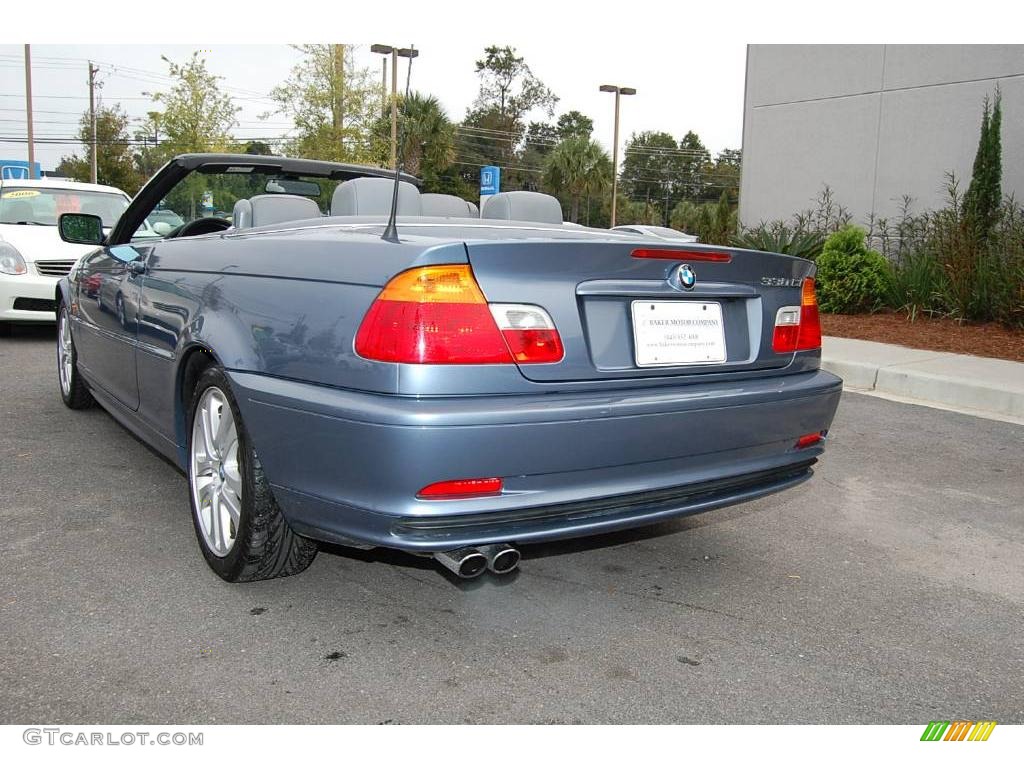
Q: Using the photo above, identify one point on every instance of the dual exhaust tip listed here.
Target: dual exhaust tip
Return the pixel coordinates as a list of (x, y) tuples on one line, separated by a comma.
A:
[(470, 562)]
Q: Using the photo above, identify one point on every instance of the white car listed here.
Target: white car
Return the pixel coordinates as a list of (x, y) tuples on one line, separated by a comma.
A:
[(32, 255)]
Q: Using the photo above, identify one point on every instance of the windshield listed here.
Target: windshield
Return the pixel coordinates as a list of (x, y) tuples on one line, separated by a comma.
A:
[(42, 205)]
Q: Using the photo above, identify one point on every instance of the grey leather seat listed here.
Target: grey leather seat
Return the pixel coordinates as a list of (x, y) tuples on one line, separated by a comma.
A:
[(449, 206), (523, 206), (372, 197), (262, 210)]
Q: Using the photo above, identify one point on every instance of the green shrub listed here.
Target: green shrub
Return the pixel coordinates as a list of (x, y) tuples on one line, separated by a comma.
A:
[(779, 237), (851, 277)]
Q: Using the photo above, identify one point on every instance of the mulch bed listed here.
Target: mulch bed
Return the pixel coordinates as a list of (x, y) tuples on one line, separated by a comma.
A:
[(939, 334)]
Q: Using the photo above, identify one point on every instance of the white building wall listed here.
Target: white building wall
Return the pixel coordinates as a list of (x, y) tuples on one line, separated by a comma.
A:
[(873, 122)]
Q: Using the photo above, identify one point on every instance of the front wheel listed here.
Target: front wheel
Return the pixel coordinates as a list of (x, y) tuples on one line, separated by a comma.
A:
[(73, 390), (242, 532)]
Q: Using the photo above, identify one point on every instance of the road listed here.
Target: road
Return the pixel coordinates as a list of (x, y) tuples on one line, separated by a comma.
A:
[(888, 589)]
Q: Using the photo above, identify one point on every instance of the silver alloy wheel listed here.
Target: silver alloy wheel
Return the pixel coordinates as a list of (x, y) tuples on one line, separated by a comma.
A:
[(214, 476), (64, 356)]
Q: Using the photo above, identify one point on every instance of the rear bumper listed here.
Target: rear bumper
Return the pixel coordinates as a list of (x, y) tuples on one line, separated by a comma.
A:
[(33, 292), (346, 466)]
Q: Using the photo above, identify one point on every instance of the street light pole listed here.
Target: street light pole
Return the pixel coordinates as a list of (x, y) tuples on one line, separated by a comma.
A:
[(394, 107), (28, 112), (395, 52), (618, 91)]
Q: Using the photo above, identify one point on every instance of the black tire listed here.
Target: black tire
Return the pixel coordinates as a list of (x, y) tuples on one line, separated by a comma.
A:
[(265, 547), (5, 330), (75, 392)]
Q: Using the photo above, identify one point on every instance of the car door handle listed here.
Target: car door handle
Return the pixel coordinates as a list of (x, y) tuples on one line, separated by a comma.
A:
[(137, 267)]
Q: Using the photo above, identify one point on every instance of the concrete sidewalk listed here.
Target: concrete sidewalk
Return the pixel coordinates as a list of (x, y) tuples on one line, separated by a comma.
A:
[(977, 385)]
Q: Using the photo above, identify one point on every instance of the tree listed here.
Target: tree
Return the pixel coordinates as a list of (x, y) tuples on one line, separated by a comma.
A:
[(577, 166), (714, 223), (115, 164), (648, 166), (334, 105), (149, 154), (574, 123), (508, 85), (724, 174), (197, 116), (426, 134), (984, 194), (493, 129)]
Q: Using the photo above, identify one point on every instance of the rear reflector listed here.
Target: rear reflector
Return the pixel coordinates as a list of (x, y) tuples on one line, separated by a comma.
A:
[(432, 315), (461, 489), (529, 332), (669, 253), (808, 440), (798, 328)]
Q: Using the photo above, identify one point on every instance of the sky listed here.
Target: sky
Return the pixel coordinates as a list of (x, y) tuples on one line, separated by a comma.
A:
[(697, 86)]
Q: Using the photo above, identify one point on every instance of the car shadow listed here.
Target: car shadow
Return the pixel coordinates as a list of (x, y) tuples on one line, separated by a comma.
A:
[(538, 551), (33, 332)]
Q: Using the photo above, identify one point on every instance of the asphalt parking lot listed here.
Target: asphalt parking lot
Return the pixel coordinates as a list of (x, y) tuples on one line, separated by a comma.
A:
[(888, 589)]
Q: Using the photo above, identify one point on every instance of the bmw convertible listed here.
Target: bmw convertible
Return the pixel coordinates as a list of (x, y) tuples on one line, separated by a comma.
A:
[(349, 360)]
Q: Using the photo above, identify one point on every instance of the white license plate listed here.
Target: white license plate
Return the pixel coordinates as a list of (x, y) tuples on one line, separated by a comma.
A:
[(678, 333)]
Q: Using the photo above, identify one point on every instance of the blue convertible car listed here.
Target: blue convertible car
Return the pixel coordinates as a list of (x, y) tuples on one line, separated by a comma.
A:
[(478, 382)]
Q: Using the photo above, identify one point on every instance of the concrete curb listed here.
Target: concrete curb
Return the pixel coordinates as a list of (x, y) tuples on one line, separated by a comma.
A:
[(977, 385)]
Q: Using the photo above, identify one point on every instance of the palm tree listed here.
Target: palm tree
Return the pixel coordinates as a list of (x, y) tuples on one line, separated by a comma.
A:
[(576, 167), (427, 135)]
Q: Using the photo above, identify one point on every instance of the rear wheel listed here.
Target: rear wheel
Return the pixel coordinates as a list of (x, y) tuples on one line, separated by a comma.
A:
[(5, 330), (73, 390), (241, 530)]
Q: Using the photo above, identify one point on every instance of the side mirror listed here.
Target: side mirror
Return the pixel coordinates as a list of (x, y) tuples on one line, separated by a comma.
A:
[(80, 228)]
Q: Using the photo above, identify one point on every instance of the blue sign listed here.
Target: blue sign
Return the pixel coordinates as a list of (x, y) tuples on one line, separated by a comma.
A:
[(490, 180), (18, 169)]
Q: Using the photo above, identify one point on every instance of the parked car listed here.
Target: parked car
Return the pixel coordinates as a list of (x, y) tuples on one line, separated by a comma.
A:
[(32, 255), (164, 220), (661, 233), (448, 386)]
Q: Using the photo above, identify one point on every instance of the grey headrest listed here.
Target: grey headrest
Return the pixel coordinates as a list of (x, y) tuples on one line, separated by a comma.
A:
[(434, 204), (262, 210), (372, 197), (241, 214), (473, 210), (523, 206)]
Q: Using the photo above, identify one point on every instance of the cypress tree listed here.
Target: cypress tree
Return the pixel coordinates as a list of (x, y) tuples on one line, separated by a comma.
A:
[(984, 195)]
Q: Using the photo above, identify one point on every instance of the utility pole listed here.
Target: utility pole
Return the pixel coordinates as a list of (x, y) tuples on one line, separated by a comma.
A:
[(28, 112), (618, 90), (384, 87), (92, 119), (339, 96)]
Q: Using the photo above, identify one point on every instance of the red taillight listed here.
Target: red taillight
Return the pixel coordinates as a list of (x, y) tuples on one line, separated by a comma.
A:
[(460, 489), (678, 255), (798, 328), (529, 332), (432, 315), (806, 441)]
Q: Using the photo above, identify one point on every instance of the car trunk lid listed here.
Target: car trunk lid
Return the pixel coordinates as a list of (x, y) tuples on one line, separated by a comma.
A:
[(625, 310)]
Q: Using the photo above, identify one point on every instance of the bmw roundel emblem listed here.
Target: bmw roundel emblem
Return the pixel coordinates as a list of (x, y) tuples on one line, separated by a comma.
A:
[(687, 277)]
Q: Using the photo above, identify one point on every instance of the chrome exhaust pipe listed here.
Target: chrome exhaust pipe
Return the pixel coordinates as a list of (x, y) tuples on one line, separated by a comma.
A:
[(501, 558), (466, 563)]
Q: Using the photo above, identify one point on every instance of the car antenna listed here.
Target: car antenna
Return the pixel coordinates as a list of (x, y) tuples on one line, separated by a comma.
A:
[(391, 230)]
